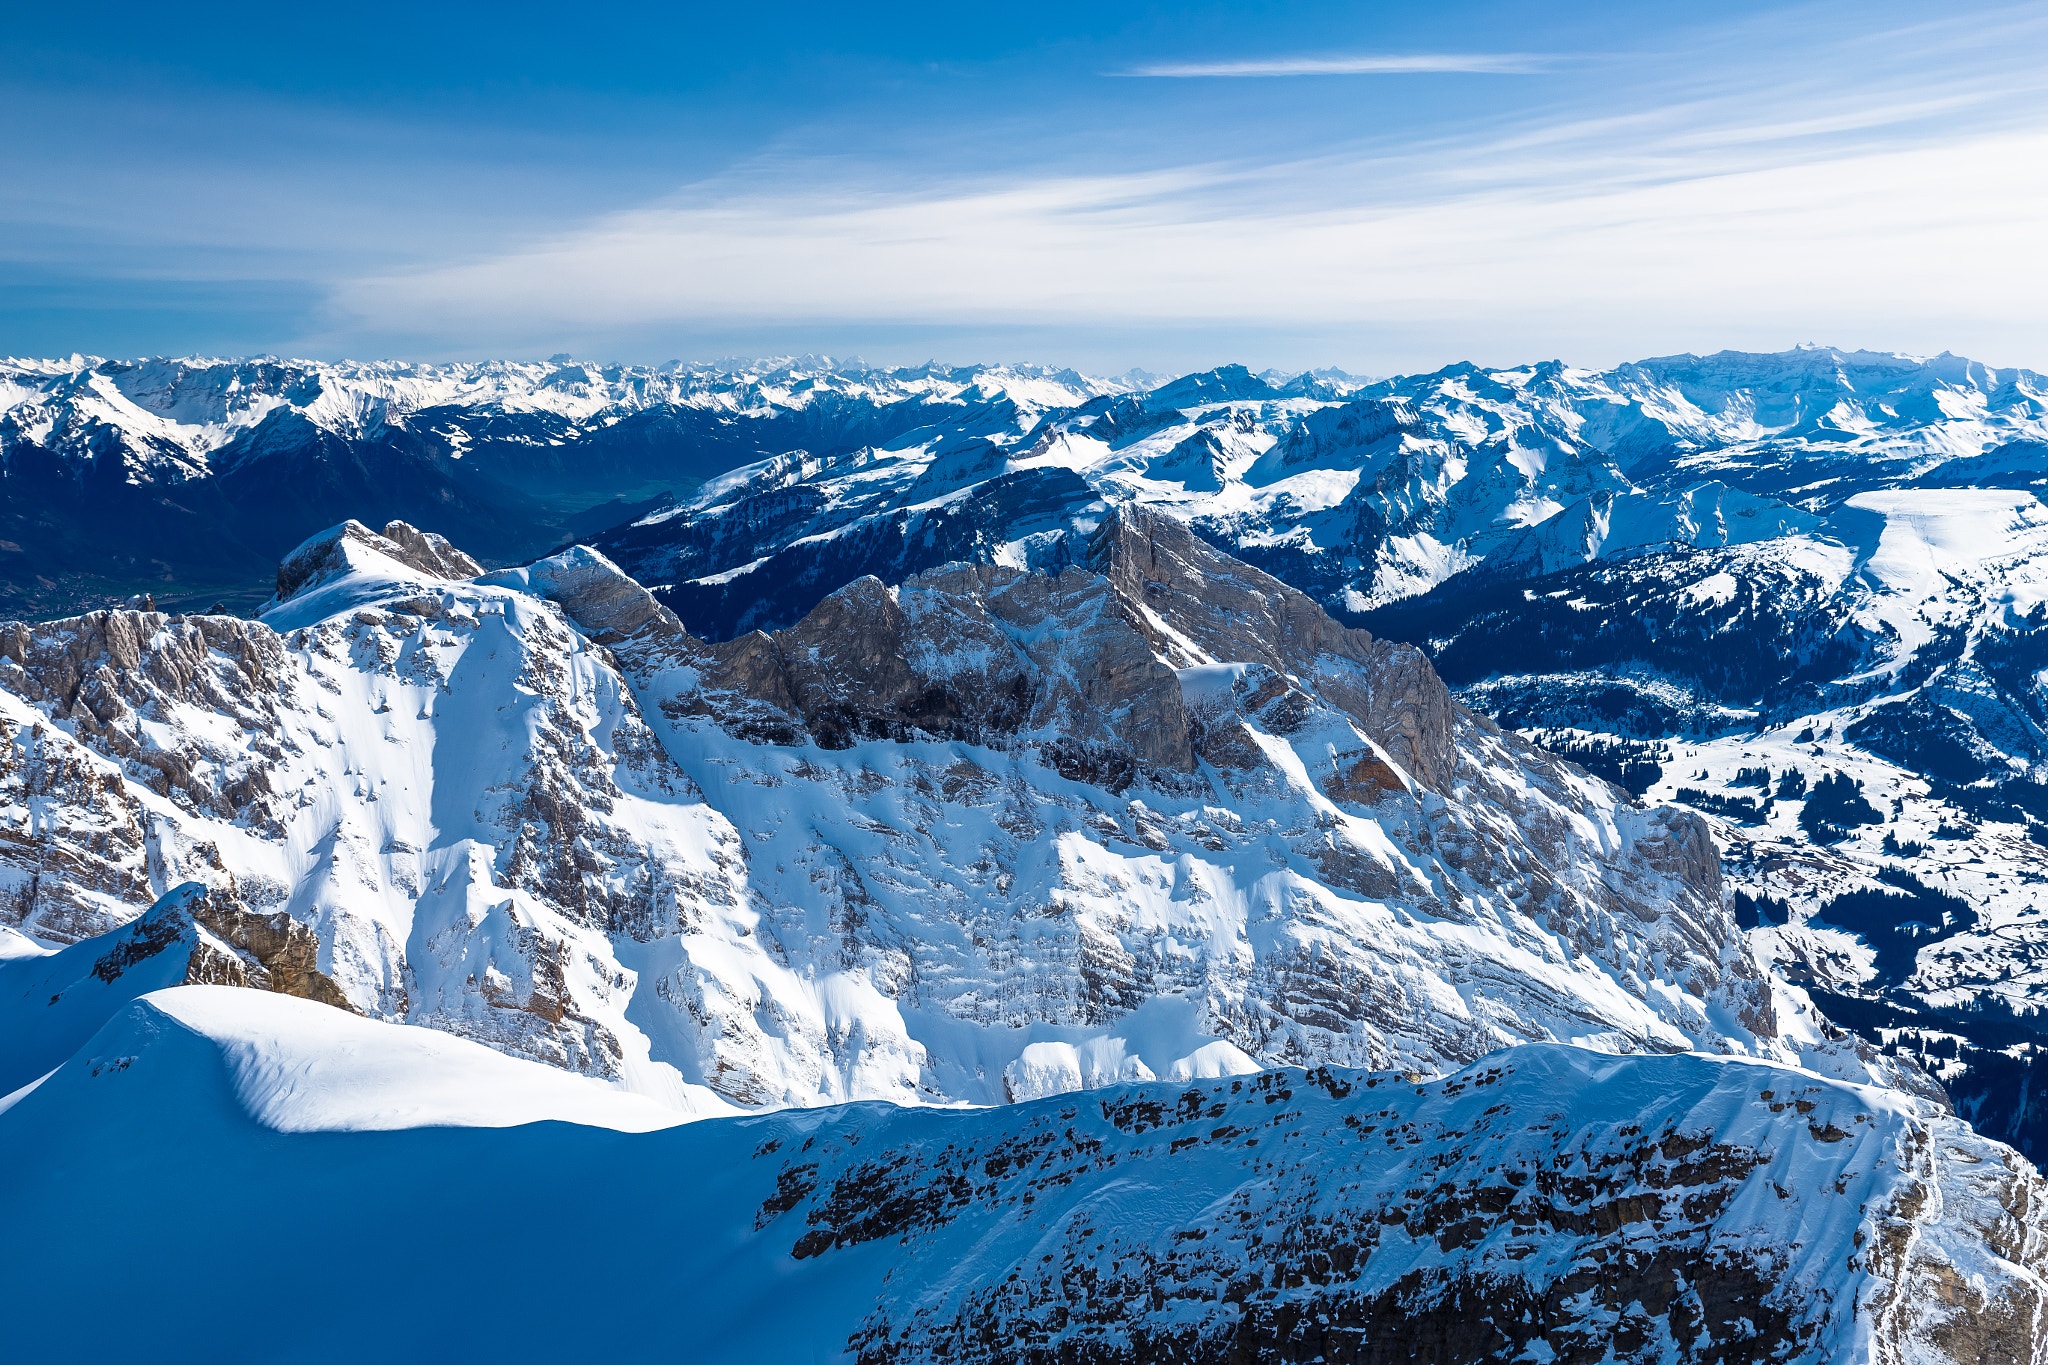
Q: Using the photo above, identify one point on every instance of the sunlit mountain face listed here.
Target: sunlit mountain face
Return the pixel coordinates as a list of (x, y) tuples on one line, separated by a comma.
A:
[(1025, 865)]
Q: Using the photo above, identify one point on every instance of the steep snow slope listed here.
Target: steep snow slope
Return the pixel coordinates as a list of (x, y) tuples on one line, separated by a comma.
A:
[(985, 836), (1546, 1203)]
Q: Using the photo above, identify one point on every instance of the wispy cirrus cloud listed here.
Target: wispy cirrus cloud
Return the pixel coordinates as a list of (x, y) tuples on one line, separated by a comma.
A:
[(1742, 205), (1356, 64), (1854, 169)]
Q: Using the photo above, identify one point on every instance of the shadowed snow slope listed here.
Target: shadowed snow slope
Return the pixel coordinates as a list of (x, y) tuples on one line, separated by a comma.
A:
[(1546, 1203)]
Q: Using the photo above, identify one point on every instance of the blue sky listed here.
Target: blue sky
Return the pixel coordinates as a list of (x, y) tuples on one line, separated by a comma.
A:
[(1377, 186)]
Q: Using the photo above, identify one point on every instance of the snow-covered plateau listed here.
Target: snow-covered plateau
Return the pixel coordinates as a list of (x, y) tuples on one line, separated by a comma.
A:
[(960, 864)]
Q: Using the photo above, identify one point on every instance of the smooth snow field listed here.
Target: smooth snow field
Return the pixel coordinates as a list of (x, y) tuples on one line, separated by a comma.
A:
[(154, 1211)]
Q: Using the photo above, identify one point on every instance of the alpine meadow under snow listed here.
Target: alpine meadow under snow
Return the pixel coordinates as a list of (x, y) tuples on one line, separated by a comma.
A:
[(994, 864)]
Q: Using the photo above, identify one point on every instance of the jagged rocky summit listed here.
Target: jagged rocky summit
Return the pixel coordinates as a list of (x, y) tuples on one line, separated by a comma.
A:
[(986, 835)]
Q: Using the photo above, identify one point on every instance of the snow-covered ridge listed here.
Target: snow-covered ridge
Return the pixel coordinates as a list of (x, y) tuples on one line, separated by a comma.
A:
[(188, 478), (1368, 494), (1093, 820), (1545, 1203), (1359, 492)]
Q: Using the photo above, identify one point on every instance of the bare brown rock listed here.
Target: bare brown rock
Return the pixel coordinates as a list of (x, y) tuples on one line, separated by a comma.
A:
[(1364, 779), (222, 943), (1182, 589), (264, 952)]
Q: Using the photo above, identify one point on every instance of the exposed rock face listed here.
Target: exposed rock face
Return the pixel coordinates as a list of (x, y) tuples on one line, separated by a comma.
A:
[(263, 952), (1165, 809), (429, 552), (1543, 1204), (82, 848), (971, 653), (1199, 605), (193, 935), (1195, 785), (445, 786)]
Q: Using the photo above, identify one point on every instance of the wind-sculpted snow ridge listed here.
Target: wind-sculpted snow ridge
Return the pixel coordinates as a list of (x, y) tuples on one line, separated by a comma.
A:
[(985, 836), (1545, 1203)]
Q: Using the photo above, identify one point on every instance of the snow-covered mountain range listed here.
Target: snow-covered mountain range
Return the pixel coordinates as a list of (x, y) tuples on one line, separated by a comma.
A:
[(1002, 737), (1747, 578), (189, 478), (1361, 495), (983, 836)]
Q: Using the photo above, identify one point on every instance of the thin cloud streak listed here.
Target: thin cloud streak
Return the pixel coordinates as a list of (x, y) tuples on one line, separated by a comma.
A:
[(1758, 244), (1894, 206), (1468, 63)]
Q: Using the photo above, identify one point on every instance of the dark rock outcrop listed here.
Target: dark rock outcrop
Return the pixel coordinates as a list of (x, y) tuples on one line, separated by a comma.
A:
[(194, 935), (1541, 1204)]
